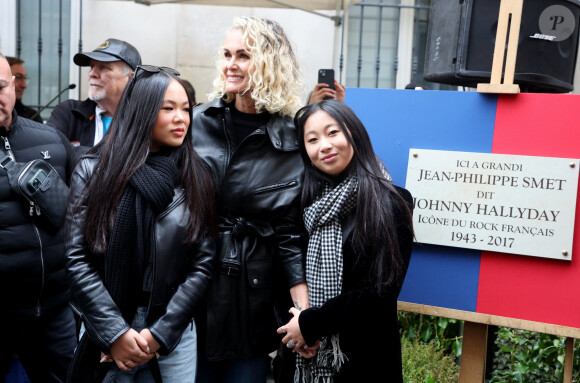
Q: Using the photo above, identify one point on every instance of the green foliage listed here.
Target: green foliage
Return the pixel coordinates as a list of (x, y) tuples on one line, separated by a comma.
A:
[(427, 363), (525, 356), (520, 356), (446, 333)]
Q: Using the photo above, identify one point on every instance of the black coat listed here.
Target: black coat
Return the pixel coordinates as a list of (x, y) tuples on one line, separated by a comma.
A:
[(181, 274), (259, 185), (76, 120), (26, 112), (367, 324), (32, 255)]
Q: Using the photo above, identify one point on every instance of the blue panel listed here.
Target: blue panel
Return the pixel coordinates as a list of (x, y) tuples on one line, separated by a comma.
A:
[(444, 120), (398, 120), (443, 277)]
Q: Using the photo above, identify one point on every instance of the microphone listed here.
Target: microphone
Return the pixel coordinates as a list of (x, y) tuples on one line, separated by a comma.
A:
[(71, 86)]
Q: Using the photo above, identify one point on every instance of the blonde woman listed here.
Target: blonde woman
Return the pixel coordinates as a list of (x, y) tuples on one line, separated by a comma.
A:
[(247, 136)]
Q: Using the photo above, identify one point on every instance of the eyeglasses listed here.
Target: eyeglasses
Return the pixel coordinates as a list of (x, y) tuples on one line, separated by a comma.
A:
[(21, 77), (155, 69), (151, 69), (148, 69)]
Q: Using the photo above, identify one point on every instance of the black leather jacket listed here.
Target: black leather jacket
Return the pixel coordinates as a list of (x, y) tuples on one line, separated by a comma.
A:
[(181, 274), (259, 185)]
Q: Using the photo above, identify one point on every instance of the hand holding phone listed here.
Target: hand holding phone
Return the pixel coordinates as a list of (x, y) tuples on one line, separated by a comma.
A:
[(326, 88), (326, 76)]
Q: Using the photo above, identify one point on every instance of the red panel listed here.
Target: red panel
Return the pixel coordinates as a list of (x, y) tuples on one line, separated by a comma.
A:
[(523, 287)]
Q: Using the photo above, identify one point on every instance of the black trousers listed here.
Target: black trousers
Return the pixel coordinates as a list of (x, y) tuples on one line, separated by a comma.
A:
[(45, 345)]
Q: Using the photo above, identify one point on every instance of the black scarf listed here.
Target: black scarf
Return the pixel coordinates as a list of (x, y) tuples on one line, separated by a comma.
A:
[(130, 249), (149, 192)]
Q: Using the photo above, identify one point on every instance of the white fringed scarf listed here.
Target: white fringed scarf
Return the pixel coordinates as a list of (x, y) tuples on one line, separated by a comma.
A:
[(324, 266)]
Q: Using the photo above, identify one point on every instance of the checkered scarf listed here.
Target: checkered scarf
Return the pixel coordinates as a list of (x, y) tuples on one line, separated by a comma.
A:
[(324, 266)]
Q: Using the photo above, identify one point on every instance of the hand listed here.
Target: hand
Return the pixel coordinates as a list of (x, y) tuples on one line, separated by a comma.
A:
[(309, 352), (293, 338), (340, 91), (105, 358), (153, 345), (322, 91), (127, 350)]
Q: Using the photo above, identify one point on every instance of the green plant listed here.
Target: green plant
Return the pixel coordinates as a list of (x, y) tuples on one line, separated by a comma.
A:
[(446, 333), (427, 363), (526, 356), (519, 357)]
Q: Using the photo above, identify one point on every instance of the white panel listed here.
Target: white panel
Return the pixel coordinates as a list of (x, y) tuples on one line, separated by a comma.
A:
[(495, 202)]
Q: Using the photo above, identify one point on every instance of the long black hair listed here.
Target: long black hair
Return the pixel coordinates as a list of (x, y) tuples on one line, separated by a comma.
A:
[(375, 238), (125, 148)]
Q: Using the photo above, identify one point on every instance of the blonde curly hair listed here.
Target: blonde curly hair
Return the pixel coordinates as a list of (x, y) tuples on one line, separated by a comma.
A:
[(275, 83)]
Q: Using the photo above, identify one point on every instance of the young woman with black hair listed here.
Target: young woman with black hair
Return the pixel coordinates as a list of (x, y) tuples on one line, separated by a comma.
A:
[(140, 248), (360, 240)]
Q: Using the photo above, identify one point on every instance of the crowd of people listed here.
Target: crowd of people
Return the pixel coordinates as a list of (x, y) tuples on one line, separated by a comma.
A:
[(202, 239)]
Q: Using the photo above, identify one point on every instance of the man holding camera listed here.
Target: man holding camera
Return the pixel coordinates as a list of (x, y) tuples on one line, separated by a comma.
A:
[(35, 317)]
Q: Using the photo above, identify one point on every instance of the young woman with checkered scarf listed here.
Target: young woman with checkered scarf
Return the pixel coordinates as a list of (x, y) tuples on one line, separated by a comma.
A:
[(360, 228)]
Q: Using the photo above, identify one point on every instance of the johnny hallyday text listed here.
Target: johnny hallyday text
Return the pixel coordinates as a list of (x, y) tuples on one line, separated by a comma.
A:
[(488, 203)]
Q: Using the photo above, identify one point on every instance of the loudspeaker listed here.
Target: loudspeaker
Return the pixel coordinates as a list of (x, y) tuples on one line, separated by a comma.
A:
[(461, 42)]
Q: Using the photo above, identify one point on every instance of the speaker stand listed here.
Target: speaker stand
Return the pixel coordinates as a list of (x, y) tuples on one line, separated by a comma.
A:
[(510, 16)]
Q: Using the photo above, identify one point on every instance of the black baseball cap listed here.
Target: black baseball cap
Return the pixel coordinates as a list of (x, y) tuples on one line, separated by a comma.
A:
[(110, 50)]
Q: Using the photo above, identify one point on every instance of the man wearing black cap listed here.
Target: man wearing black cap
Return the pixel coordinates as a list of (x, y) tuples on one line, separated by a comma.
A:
[(112, 64)]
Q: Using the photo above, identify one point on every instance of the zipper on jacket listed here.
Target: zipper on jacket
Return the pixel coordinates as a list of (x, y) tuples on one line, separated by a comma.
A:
[(31, 211), (42, 270), (33, 207), (224, 124), (8, 148), (275, 187), (164, 213), (228, 147), (230, 156)]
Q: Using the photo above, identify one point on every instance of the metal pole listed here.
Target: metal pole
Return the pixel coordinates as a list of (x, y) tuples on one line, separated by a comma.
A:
[(362, 3), (59, 47), (359, 61), (341, 60), (378, 62), (39, 50), (18, 34), (80, 40)]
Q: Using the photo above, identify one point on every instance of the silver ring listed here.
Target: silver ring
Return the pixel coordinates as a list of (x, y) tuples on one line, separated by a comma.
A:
[(128, 363), (290, 344)]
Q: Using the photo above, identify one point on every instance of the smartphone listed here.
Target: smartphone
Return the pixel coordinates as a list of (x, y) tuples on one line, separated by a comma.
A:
[(326, 76), (37, 180)]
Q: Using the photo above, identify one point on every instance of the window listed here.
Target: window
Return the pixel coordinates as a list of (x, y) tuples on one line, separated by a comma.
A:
[(378, 32), (44, 45)]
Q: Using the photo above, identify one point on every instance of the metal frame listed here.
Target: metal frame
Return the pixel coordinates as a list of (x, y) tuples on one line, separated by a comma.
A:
[(403, 60)]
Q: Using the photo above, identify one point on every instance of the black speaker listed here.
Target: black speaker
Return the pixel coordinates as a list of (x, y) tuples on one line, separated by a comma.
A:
[(461, 42)]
